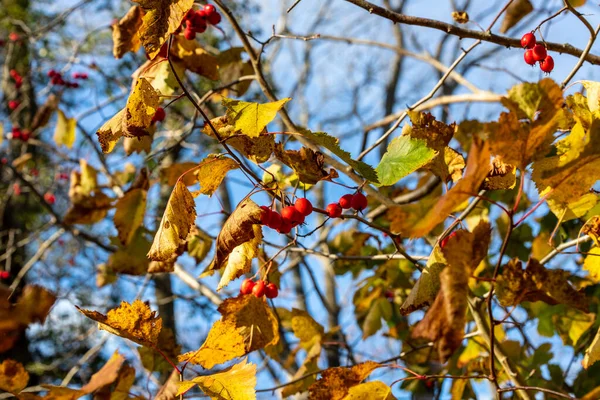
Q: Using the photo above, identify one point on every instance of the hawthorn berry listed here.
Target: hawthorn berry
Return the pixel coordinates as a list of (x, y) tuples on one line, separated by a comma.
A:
[(528, 56), (214, 18), (259, 289), (275, 221), (271, 291), (334, 210), (359, 202), (51, 73), (304, 206), (159, 115), (13, 36), (209, 9), (189, 33), (539, 52), (16, 189), (528, 40), (15, 134), (547, 64), (265, 215), (49, 198), (4, 160), (4, 275), (247, 286), (13, 104), (346, 201), (25, 135), (291, 215), (285, 227)]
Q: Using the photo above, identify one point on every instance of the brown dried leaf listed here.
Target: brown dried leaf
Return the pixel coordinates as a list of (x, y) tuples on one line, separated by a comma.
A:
[(126, 36), (129, 213), (336, 382), (306, 163), (13, 376), (460, 17), (195, 58), (515, 12), (501, 177), (171, 174)]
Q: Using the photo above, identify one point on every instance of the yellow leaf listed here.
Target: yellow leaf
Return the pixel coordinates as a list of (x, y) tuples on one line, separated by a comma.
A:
[(592, 354), (592, 90), (251, 118), (169, 390), (231, 68), (125, 32), (129, 214), (171, 174), (62, 393), (592, 264), (211, 172), (478, 166), (234, 383), (64, 134), (336, 382), (238, 229), (374, 390), (137, 145), (135, 322), (160, 75), (575, 209), (106, 375), (592, 228), (141, 107), (444, 322), (239, 261), (515, 12), (194, 58), (501, 177), (198, 243), (110, 133), (428, 284), (310, 366), (247, 324), (306, 163), (163, 18), (13, 376), (152, 360), (309, 331), (179, 216), (1, 133)]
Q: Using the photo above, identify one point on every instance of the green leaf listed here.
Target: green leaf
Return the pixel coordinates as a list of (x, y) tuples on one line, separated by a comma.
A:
[(333, 144), (403, 157), (251, 118)]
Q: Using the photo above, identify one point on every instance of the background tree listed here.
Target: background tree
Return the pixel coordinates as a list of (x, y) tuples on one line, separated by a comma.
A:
[(141, 138)]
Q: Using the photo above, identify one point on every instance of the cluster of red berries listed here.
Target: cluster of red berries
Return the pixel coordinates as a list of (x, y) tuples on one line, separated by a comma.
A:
[(259, 289), (536, 53), (357, 201), (290, 217), (18, 134), (159, 115), (16, 77), (56, 78), (197, 21), (4, 275)]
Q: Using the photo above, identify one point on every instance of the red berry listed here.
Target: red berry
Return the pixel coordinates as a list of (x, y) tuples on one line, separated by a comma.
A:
[(34, 172), (334, 210), (547, 64), (84, 76), (275, 221), (247, 286), (189, 34), (4, 275), (271, 291), (539, 52), (346, 201), (265, 216), (51, 73), (285, 228), (16, 134), (209, 9), (259, 289), (528, 40), (359, 202), (13, 36), (13, 104), (49, 197), (214, 18), (445, 240), (304, 206), (159, 115), (4, 160), (25, 135), (198, 22), (16, 189), (529, 57), (291, 215), (14, 74)]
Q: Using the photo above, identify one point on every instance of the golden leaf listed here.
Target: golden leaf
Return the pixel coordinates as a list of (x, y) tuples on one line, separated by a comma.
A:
[(211, 172), (169, 390), (234, 383), (64, 134), (536, 283), (141, 107), (478, 166), (444, 322), (247, 324), (163, 18), (129, 214), (194, 58), (575, 209), (171, 174), (125, 32), (238, 229), (592, 264), (106, 375), (139, 144), (179, 216), (13, 376), (592, 354), (110, 133), (336, 382), (306, 163), (152, 360), (239, 261), (231, 68), (198, 243), (131, 259), (135, 322), (251, 118), (374, 390), (88, 210)]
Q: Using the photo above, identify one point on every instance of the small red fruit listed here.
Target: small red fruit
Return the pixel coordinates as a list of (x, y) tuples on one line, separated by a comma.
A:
[(539, 52), (25, 135), (247, 286), (334, 210), (34, 172), (271, 291), (13, 104), (285, 227), (209, 9), (49, 197), (528, 40), (291, 215), (547, 64), (13, 36), (189, 34), (16, 189), (4, 275), (16, 134), (159, 115), (528, 57), (304, 206), (359, 202), (51, 73), (275, 221), (214, 18), (4, 160), (259, 289), (265, 216), (346, 201)]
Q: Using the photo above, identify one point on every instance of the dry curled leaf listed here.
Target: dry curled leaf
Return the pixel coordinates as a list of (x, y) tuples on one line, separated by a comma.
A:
[(306, 163), (460, 17), (125, 32), (336, 382), (13, 376)]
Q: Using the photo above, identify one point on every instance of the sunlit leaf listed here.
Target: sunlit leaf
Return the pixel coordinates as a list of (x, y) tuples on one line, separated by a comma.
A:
[(234, 383), (251, 118), (306, 163), (515, 12), (239, 261), (194, 58), (64, 134), (404, 156), (129, 213), (211, 171), (374, 390), (335, 383), (125, 32), (592, 354)]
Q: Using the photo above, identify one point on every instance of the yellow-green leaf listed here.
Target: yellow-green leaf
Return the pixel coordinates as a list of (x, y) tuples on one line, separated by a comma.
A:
[(592, 354), (64, 134), (251, 118), (592, 264), (211, 172), (234, 383), (179, 216)]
